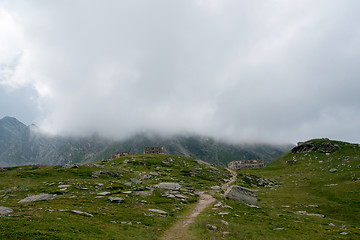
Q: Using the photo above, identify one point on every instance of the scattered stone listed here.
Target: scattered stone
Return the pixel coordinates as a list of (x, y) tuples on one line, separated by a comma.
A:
[(344, 233), (314, 206), (82, 213), (5, 210), (113, 221), (225, 222), (331, 185), (64, 186), (40, 197), (331, 225), (211, 227), (157, 211), (333, 170), (104, 193), (215, 187), (127, 192), (116, 199), (241, 194), (279, 229), (154, 174), (168, 185), (128, 184)]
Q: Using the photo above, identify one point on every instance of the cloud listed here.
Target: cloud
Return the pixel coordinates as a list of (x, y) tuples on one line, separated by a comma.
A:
[(236, 70)]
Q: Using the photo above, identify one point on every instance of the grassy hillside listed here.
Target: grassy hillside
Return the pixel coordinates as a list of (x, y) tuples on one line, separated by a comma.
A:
[(125, 177), (318, 182)]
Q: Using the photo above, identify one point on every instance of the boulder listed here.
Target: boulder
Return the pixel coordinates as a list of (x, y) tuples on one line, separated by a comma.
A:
[(40, 197), (241, 194), (157, 211), (82, 213), (168, 185), (5, 210), (116, 199)]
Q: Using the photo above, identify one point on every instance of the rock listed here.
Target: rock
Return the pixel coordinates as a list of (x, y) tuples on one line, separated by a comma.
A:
[(154, 174), (331, 225), (82, 213), (96, 174), (3, 169), (144, 193), (241, 194), (225, 222), (344, 233), (157, 211), (168, 185), (325, 147), (314, 206), (278, 229), (215, 187), (181, 196), (40, 197), (116, 199), (5, 210), (136, 181), (64, 186), (223, 213), (309, 214), (211, 227), (253, 206), (104, 193), (67, 166), (333, 170)]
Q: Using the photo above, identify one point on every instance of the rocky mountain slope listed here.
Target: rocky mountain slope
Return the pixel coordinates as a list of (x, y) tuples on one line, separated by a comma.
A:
[(21, 144)]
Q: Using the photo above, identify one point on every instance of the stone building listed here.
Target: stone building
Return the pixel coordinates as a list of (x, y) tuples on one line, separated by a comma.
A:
[(152, 150), (246, 164), (121, 154)]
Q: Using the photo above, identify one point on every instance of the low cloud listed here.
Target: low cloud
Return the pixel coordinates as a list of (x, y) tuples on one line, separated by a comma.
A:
[(235, 70)]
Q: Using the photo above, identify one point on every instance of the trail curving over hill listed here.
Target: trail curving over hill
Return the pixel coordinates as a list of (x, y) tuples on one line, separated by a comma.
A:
[(180, 230)]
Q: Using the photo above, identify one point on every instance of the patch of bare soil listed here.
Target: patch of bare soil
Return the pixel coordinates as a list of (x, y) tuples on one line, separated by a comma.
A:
[(180, 230)]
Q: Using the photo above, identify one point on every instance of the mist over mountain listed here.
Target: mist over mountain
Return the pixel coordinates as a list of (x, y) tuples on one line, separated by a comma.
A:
[(21, 144)]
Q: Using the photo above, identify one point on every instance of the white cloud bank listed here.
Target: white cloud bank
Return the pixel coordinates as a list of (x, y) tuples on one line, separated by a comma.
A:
[(239, 70)]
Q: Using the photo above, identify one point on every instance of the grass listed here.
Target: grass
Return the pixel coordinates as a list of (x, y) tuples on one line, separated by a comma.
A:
[(295, 188), (129, 220), (283, 190)]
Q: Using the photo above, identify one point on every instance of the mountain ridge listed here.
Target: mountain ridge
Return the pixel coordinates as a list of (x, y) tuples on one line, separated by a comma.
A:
[(21, 145)]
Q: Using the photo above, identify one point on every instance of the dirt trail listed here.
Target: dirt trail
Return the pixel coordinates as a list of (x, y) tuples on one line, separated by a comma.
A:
[(180, 229)]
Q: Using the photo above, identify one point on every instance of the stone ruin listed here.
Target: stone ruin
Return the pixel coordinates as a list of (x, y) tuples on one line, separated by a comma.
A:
[(242, 164), (153, 150)]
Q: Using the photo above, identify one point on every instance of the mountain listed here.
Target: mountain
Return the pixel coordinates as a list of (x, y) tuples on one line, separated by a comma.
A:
[(21, 144)]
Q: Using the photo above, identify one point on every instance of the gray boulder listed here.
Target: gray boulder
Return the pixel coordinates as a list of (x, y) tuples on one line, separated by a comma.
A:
[(116, 199), (157, 211), (40, 197), (5, 210), (241, 194), (168, 185)]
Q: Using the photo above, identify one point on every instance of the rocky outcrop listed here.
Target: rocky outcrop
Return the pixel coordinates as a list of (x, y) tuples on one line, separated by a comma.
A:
[(324, 147), (241, 194), (40, 197)]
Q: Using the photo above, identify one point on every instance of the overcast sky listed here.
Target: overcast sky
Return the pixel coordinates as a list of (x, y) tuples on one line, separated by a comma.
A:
[(269, 71)]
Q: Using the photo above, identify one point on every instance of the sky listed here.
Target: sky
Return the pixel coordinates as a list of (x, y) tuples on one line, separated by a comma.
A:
[(242, 71)]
